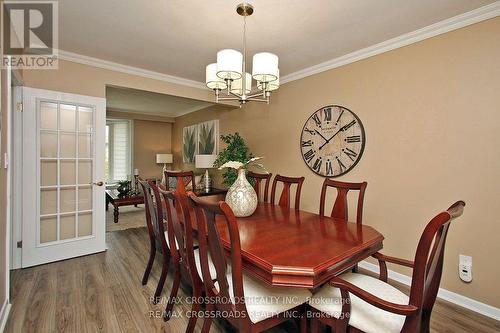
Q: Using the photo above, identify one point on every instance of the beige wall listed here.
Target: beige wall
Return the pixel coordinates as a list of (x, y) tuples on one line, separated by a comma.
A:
[(431, 116), (150, 138)]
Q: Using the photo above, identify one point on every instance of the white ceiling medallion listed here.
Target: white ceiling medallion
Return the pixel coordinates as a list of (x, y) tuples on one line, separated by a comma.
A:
[(229, 72)]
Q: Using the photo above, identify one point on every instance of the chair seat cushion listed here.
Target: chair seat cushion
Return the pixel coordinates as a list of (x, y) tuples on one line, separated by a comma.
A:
[(211, 267), (264, 301), (363, 316)]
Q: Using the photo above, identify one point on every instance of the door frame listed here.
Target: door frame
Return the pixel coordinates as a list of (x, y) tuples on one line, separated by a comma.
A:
[(28, 160)]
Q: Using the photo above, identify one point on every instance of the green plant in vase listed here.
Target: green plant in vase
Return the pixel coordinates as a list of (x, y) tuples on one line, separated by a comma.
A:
[(237, 151)]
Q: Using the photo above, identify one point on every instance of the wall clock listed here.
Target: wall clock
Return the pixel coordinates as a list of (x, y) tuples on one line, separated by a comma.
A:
[(332, 141)]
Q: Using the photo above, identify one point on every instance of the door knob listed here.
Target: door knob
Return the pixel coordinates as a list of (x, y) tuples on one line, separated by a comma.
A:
[(98, 183)]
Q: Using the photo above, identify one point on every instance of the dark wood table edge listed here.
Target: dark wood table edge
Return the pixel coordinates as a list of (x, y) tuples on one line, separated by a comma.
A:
[(304, 278)]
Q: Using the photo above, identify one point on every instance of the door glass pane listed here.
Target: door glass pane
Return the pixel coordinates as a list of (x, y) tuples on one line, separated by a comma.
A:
[(48, 229), (68, 173), (84, 146), (84, 198), (68, 200), (67, 228), (48, 115), (84, 224), (68, 145), (84, 172), (48, 144), (48, 173), (68, 117), (85, 119), (48, 201)]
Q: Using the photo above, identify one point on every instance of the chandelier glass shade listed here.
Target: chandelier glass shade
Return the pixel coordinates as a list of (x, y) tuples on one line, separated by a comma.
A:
[(225, 77)]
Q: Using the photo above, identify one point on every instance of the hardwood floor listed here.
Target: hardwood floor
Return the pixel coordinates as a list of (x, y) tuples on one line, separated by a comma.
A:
[(103, 293)]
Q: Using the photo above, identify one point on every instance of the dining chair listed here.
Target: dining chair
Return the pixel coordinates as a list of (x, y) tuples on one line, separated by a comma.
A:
[(157, 234), (183, 179), (250, 305), (284, 200), (177, 208), (340, 206), (357, 302), (259, 178)]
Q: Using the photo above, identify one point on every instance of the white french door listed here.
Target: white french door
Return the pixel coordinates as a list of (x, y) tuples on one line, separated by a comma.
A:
[(63, 174)]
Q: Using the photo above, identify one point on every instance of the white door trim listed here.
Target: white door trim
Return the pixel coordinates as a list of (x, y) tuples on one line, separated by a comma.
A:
[(31, 254)]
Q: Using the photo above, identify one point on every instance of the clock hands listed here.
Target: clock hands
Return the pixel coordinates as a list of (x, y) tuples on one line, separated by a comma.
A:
[(321, 135), (343, 128)]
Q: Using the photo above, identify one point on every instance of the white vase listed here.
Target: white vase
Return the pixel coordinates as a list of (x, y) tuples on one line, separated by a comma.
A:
[(241, 196)]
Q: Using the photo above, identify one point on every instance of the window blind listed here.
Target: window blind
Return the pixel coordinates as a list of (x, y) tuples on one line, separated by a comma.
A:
[(119, 150)]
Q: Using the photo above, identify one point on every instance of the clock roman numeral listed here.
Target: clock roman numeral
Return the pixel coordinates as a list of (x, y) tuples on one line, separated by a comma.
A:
[(327, 114), (354, 138), (342, 167), (351, 154), (309, 155), (309, 131), (307, 143), (329, 168), (340, 115), (346, 127), (316, 120), (317, 164)]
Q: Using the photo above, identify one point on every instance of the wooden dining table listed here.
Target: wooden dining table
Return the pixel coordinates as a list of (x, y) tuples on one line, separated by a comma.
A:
[(287, 247)]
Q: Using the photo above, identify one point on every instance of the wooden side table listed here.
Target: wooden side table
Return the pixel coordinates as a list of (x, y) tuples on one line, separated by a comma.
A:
[(113, 197)]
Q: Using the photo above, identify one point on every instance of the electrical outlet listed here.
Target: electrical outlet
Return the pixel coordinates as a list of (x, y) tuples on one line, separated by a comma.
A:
[(465, 268)]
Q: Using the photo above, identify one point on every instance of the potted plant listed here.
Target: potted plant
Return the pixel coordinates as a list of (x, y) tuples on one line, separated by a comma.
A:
[(237, 151)]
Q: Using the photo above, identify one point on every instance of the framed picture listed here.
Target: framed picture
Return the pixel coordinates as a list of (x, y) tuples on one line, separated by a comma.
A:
[(208, 138), (189, 143)]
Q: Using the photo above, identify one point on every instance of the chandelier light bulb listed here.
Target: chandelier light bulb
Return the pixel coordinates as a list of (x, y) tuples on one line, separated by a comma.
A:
[(229, 64), (265, 67), (270, 86), (211, 78)]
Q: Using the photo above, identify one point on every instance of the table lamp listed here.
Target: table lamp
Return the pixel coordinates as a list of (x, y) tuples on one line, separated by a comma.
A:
[(165, 159), (205, 162)]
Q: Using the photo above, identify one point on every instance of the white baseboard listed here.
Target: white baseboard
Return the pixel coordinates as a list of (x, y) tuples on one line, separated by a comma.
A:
[(463, 301), (4, 315)]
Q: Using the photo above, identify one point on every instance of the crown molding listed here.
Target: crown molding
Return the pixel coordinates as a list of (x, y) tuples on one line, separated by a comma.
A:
[(113, 66), (474, 16)]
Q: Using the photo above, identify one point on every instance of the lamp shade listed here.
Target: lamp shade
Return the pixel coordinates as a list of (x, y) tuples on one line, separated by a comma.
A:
[(205, 161), (229, 63), (236, 86), (164, 158), (211, 78), (265, 67), (270, 86)]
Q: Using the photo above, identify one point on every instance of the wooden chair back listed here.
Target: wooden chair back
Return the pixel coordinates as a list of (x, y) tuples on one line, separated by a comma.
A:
[(284, 200), (211, 245), (340, 206), (260, 178), (180, 222), (428, 264), (154, 214), (183, 179)]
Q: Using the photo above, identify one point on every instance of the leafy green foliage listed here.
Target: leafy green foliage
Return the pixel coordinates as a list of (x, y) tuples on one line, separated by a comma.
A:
[(207, 142), (189, 145), (236, 150)]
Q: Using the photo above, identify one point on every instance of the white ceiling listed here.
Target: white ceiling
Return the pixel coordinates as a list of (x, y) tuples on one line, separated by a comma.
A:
[(150, 103), (180, 37)]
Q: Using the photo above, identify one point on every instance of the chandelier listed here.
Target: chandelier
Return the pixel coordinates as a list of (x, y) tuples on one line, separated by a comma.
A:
[(228, 76)]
